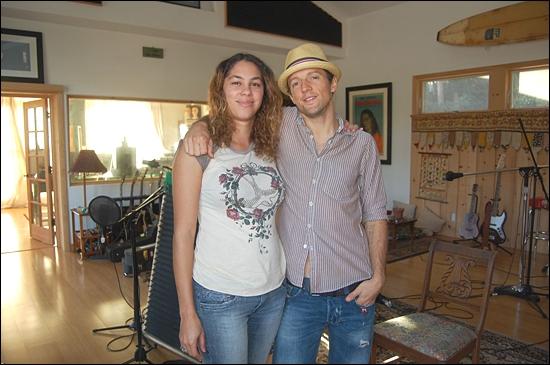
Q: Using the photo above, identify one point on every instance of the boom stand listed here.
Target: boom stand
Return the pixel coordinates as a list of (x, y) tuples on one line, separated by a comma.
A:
[(523, 289), (140, 355)]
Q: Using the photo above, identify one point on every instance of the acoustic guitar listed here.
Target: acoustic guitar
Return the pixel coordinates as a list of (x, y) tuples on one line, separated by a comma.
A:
[(469, 228)]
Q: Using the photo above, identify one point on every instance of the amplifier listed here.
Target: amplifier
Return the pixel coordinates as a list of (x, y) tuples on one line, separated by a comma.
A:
[(144, 254), (115, 251)]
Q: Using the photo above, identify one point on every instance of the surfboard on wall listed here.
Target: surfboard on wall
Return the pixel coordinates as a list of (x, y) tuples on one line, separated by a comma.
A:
[(521, 22)]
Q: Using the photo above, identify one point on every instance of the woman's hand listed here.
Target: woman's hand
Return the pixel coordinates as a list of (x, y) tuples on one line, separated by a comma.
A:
[(191, 337)]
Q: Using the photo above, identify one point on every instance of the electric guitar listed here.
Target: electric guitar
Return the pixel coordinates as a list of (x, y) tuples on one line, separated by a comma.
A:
[(496, 226), (469, 229)]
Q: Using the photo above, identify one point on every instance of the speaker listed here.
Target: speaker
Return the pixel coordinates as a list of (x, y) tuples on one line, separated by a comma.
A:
[(162, 322)]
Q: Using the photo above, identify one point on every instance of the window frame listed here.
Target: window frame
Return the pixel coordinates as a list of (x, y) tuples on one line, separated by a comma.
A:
[(500, 82), (95, 179)]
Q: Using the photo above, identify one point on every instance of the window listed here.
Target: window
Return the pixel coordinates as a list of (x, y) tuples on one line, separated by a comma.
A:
[(457, 94), (530, 89), (127, 134), (491, 88)]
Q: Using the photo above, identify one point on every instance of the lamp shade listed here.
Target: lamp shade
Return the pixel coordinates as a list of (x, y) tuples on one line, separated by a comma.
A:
[(87, 161)]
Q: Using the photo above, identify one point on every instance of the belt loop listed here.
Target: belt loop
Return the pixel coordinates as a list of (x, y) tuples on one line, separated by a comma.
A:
[(306, 285)]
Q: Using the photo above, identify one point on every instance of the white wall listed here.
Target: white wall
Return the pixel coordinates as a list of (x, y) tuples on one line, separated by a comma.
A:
[(394, 44), (99, 53), (91, 61)]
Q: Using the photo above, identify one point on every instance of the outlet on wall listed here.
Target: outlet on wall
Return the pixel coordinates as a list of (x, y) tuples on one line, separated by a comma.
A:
[(453, 217)]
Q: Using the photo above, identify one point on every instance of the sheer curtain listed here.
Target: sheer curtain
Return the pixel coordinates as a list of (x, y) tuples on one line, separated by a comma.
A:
[(14, 189), (108, 123), (158, 121)]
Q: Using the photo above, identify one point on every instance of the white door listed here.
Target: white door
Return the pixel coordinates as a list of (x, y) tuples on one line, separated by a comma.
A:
[(39, 171)]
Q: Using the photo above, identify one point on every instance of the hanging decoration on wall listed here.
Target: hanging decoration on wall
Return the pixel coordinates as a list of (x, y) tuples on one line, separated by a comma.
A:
[(480, 141), (533, 120), (432, 169), (480, 130)]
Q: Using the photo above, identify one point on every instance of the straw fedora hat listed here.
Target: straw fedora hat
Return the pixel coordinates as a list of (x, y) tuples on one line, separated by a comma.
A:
[(307, 55)]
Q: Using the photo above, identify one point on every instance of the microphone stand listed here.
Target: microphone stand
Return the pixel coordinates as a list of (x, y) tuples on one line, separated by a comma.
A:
[(140, 355), (523, 289)]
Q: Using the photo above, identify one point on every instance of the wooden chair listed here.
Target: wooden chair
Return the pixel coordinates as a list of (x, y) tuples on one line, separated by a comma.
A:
[(429, 337)]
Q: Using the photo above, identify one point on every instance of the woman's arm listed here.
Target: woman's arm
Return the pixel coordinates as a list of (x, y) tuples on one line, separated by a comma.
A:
[(186, 187)]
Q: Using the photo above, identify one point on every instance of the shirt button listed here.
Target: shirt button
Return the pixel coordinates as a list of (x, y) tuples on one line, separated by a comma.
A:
[(308, 225), (310, 204), (311, 136), (313, 181), (305, 246), (318, 159)]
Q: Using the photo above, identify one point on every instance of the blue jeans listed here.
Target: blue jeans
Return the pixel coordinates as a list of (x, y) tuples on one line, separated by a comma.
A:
[(238, 330), (350, 329)]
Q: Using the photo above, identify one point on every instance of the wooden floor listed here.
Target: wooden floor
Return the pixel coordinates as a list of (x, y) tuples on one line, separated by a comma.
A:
[(51, 301)]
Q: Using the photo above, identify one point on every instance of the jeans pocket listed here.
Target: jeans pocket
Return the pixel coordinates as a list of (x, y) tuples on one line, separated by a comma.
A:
[(291, 290), (211, 299)]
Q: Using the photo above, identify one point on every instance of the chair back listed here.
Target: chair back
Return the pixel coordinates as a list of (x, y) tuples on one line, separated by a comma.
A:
[(461, 276)]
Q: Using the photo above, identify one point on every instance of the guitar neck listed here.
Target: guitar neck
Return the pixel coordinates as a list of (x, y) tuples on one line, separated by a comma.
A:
[(473, 203), (496, 198)]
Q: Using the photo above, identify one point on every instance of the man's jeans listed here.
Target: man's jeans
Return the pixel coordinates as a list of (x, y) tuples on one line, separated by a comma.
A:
[(350, 328), (238, 330)]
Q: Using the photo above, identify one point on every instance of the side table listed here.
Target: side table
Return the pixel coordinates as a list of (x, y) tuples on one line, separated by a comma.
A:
[(84, 239), (394, 224)]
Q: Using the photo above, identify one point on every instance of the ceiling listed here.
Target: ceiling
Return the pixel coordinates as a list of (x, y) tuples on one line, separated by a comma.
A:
[(343, 10)]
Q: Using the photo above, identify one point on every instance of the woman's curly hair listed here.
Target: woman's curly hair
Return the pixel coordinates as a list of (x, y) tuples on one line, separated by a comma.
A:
[(265, 131)]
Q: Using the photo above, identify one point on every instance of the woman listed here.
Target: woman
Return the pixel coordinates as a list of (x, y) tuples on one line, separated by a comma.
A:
[(230, 285), (369, 124)]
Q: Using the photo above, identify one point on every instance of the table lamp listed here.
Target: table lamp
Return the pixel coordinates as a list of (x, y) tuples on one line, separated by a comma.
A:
[(87, 161)]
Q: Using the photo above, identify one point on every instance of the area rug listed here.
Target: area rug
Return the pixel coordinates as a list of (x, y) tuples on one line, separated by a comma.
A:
[(405, 248), (495, 348)]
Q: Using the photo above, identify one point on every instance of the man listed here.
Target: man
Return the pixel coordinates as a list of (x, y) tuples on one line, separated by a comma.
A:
[(333, 221)]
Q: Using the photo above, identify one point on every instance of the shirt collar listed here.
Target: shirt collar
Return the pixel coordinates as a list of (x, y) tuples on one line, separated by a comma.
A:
[(300, 120)]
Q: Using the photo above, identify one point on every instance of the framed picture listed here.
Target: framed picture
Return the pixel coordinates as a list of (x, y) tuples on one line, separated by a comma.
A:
[(22, 56), (191, 4), (369, 106)]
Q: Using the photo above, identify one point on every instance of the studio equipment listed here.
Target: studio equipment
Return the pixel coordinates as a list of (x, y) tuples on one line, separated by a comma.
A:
[(131, 218), (162, 323), (523, 289), (105, 212)]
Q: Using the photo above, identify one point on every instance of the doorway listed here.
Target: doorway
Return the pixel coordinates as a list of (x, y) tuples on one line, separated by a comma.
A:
[(57, 170)]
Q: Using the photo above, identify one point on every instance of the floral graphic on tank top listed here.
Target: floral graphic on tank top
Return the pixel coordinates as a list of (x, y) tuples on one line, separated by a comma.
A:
[(252, 192)]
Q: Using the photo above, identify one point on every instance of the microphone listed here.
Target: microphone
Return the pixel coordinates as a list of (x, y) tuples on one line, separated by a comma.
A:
[(152, 164), (450, 176)]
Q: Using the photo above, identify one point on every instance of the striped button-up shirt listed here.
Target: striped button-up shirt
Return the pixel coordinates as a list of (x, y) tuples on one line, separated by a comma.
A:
[(328, 196)]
